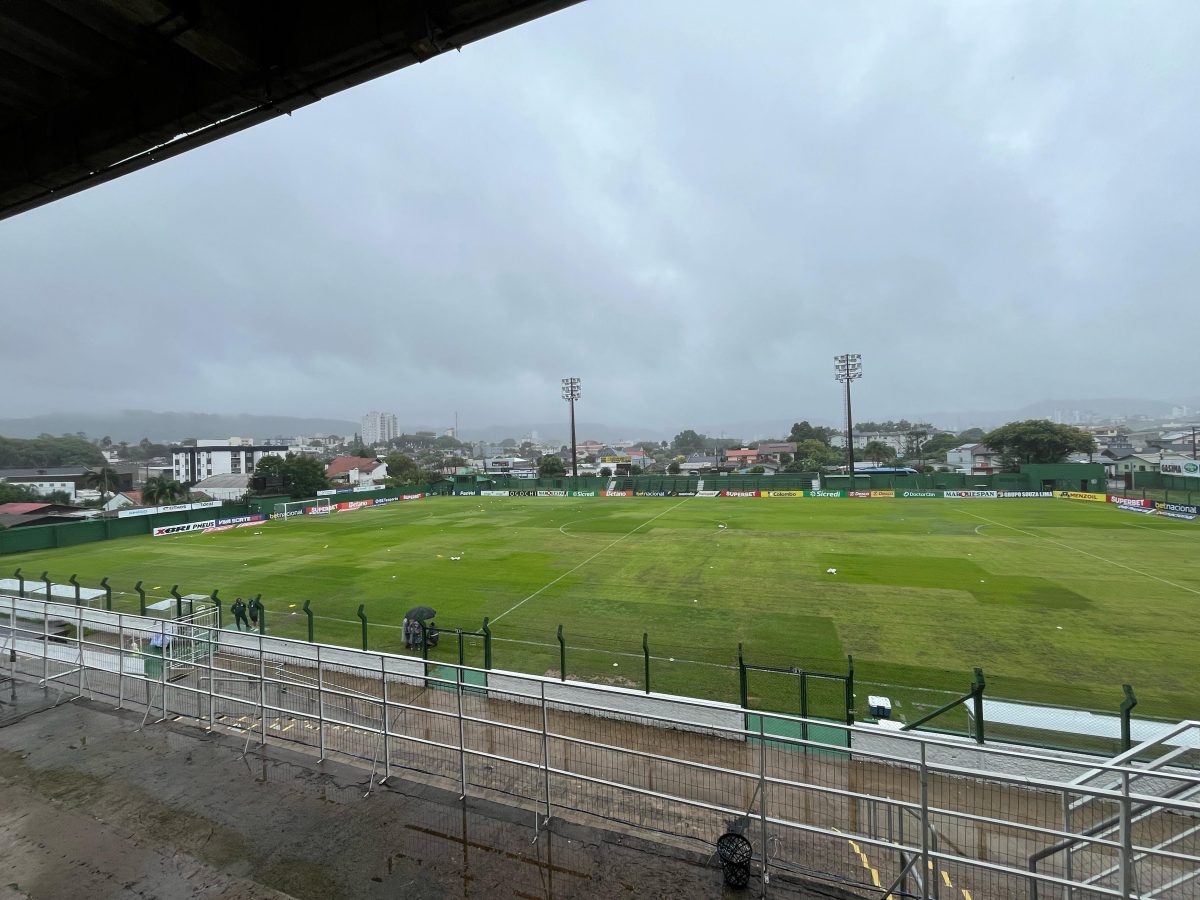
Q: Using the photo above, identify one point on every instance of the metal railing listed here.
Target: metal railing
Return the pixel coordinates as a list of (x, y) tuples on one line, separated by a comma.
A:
[(877, 811)]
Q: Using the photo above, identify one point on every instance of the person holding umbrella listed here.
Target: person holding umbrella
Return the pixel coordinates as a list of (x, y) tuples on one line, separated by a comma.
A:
[(415, 619)]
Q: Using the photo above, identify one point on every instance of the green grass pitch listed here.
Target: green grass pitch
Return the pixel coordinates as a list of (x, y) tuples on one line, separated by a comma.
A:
[(1058, 602)]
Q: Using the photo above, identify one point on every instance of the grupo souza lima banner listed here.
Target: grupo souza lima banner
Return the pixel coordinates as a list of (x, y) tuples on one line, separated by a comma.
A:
[(1187, 468), (1024, 494)]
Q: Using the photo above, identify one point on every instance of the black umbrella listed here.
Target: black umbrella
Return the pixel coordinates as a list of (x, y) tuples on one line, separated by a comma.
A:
[(421, 613)]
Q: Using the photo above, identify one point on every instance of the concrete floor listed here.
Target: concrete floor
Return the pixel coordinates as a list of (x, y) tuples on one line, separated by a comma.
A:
[(94, 807)]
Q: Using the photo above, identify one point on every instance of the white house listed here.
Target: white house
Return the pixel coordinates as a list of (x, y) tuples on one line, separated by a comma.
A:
[(223, 487), (973, 459), (898, 441), (356, 470)]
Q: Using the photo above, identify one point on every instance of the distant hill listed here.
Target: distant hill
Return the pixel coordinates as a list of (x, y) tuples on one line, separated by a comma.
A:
[(164, 427)]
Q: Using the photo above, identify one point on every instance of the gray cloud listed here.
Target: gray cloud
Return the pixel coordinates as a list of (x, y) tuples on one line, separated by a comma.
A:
[(993, 203)]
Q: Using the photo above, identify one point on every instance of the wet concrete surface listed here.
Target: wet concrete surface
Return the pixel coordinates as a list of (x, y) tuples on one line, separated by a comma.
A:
[(94, 807)]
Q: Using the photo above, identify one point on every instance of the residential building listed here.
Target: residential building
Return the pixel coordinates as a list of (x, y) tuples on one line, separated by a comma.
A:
[(223, 487), (771, 451), (898, 441), (973, 459), (68, 479), (356, 470), (235, 456), (741, 458), (698, 463), (378, 428)]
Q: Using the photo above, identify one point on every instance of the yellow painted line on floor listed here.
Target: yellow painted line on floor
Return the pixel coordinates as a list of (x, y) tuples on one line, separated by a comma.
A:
[(966, 894), (946, 878)]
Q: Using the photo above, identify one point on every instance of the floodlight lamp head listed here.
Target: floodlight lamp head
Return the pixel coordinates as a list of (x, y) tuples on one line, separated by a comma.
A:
[(570, 389)]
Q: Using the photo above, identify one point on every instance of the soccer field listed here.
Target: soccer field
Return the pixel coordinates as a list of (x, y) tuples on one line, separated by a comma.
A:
[(1058, 602)]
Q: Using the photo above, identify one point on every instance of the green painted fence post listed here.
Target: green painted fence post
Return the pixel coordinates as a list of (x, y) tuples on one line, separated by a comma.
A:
[(75, 581), (849, 689), (562, 655), (308, 612), (141, 597), (363, 616), (178, 601), (977, 696), (46, 578), (21, 579), (107, 593), (743, 694), (462, 660), (1127, 706), (487, 644), (646, 657)]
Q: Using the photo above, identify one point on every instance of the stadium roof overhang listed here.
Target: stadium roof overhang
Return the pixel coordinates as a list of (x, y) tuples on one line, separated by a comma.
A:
[(90, 91)]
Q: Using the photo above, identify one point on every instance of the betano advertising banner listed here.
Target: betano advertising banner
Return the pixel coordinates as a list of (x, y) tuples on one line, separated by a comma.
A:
[(1188, 468), (616, 493), (1082, 495)]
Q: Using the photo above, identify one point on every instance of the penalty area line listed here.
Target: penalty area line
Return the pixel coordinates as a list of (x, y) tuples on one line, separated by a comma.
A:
[(604, 549), (1111, 562)]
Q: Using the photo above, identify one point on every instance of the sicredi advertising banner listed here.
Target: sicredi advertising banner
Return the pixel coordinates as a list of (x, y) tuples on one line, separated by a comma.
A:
[(1082, 495), (581, 493), (1187, 468), (185, 527), (824, 493), (970, 495)]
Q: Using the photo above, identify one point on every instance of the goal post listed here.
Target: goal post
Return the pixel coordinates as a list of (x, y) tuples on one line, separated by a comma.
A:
[(316, 507)]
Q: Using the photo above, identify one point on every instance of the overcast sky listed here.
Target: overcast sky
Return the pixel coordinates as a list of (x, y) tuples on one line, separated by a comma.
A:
[(689, 208)]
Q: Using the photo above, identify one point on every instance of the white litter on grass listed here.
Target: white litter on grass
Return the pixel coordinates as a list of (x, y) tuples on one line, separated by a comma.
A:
[(671, 659), (831, 571), (456, 558), (615, 665), (981, 581), (1059, 627), (722, 526)]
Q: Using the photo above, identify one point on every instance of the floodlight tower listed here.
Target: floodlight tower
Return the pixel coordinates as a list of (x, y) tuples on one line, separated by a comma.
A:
[(848, 368), (571, 393)]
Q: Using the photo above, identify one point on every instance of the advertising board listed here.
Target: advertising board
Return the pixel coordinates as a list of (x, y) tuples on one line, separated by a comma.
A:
[(824, 493), (883, 493), (739, 493), (925, 494), (1025, 494), (970, 495), (1188, 468), (1082, 495), (616, 493), (164, 530), (781, 493)]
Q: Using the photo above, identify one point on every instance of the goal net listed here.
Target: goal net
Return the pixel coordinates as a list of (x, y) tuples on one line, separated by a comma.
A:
[(318, 507)]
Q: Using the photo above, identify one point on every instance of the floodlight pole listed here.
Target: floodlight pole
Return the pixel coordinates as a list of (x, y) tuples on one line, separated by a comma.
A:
[(847, 368), (571, 393)]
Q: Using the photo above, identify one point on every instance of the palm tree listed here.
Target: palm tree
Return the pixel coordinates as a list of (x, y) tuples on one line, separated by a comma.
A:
[(161, 491), (105, 478)]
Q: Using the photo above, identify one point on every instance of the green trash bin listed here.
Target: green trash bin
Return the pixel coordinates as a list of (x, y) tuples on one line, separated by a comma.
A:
[(152, 662)]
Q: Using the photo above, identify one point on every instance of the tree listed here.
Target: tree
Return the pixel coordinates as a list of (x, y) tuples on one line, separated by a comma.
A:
[(605, 472), (688, 441), (162, 491), (402, 470), (300, 476), (757, 470), (879, 452), (673, 467), (16, 493), (105, 478), (636, 469), (803, 431), (1036, 441), (550, 466)]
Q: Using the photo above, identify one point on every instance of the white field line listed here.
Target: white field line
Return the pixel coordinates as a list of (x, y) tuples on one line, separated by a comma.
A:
[(1111, 562), (545, 587)]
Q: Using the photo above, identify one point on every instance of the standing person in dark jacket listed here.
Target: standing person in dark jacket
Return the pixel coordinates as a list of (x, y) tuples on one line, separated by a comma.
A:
[(239, 613), (255, 608)]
